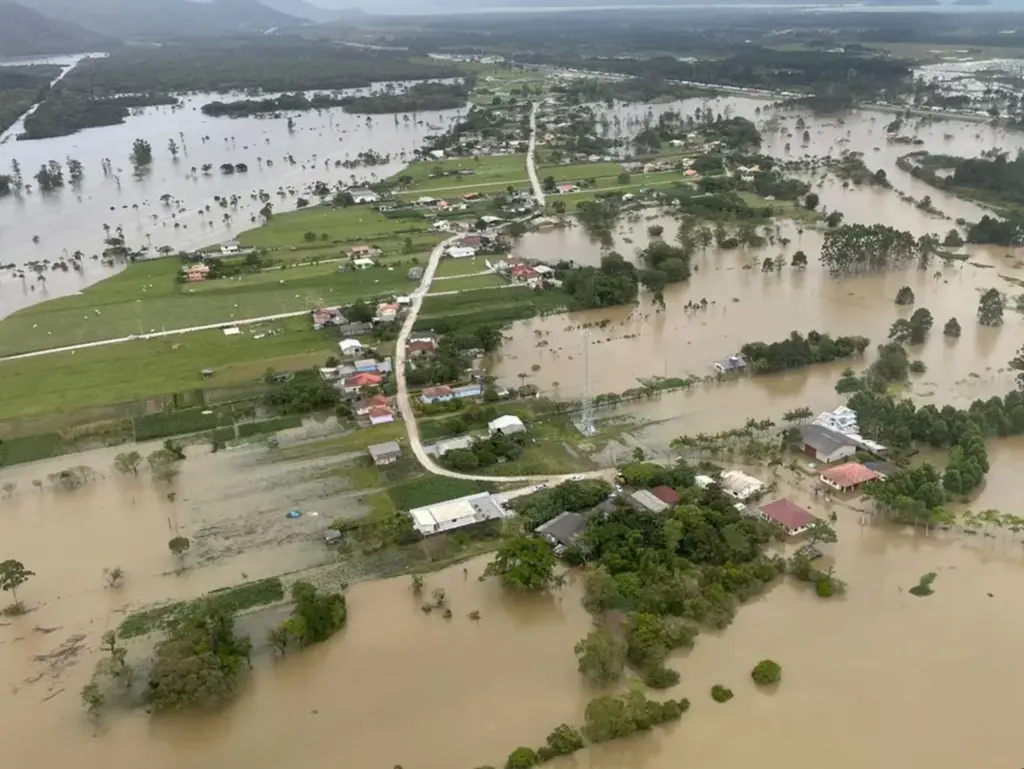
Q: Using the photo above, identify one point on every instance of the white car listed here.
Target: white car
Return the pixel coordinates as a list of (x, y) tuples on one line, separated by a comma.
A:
[(576, 478)]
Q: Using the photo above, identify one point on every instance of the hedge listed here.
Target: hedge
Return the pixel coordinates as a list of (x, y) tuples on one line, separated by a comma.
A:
[(14, 451)]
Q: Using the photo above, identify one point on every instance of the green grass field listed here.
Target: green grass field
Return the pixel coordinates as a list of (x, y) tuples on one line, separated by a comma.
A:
[(449, 267), (65, 382), (498, 169), (470, 283), (355, 224)]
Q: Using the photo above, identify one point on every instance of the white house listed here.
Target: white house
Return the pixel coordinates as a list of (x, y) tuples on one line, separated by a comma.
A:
[(461, 252), (350, 347), (739, 485), (363, 263), (231, 247), (506, 425), (386, 312), (363, 195)]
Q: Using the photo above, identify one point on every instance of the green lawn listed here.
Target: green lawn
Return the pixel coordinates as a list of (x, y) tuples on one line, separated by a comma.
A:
[(352, 441), (65, 382), (467, 284), (575, 172), (448, 267), (341, 225), (495, 169)]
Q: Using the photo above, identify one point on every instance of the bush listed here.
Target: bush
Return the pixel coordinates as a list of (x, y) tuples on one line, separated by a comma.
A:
[(766, 672), (521, 758), (30, 449), (564, 740), (824, 588), (661, 677), (720, 693)]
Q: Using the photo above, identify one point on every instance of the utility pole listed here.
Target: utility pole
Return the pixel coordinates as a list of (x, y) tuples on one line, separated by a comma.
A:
[(585, 424)]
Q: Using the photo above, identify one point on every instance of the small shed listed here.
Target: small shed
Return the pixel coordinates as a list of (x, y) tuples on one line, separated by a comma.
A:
[(385, 453)]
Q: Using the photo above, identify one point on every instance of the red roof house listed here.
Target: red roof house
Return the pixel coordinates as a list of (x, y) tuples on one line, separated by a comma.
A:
[(666, 494), (848, 476), (471, 241), (793, 518), (421, 347), (522, 272), (359, 381)]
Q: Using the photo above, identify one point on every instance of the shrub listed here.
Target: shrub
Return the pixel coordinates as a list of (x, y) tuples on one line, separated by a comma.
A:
[(766, 672), (721, 693), (521, 758), (824, 588), (564, 740), (661, 677)]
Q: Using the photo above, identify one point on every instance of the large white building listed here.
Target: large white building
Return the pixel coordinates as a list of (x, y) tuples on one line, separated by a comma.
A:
[(456, 513), (506, 425)]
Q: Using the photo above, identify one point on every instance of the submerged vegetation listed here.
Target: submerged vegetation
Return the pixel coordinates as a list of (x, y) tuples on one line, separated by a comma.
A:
[(798, 351)]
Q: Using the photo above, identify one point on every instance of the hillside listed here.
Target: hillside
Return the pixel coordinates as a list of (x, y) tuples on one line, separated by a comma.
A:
[(167, 19), (24, 32)]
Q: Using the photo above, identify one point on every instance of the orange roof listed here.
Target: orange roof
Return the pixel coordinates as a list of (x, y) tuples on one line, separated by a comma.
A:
[(433, 392), (362, 380), (848, 475), (380, 411)]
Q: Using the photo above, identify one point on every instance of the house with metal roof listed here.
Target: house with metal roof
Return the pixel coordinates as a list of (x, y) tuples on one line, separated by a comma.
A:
[(825, 444)]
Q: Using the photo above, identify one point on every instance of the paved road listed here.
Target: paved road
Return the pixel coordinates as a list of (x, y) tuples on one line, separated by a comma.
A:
[(531, 163)]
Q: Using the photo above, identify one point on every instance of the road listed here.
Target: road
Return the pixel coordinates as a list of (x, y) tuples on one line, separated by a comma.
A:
[(531, 163), (404, 400)]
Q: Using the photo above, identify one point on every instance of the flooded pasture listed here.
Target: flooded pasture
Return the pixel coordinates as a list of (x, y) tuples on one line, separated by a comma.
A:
[(69, 220)]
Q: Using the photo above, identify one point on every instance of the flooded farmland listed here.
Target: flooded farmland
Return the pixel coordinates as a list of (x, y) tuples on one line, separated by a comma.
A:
[(397, 686), (70, 220)]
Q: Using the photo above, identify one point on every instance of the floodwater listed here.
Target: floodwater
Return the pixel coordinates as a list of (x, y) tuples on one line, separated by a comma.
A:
[(885, 678), (746, 305), (70, 220)]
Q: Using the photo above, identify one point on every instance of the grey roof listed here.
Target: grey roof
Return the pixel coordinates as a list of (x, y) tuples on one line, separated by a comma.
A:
[(382, 450), (823, 439), (732, 363), (648, 501), (564, 528)]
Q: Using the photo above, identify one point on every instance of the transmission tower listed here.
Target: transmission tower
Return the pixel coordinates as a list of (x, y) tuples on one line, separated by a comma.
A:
[(585, 424)]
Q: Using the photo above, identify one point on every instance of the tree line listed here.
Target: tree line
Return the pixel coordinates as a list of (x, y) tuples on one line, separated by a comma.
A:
[(65, 112), (859, 249), (798, 351)]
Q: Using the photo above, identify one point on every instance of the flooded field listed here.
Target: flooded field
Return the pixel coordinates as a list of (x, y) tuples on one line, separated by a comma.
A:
[(874, 672), (70, 220)]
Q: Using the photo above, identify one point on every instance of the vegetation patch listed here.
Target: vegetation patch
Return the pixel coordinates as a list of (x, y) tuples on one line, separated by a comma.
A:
[(924, 586), (766, 672), (269, 425), (721, 693), (433, 489)]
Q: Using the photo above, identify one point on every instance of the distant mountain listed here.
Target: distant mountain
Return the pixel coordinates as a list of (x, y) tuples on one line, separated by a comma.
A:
[(24, 32), (973, 2), (302, 9), (166, 19)]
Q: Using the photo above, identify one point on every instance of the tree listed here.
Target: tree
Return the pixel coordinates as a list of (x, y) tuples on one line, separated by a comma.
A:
[(953, 239), (799, 260), (92, 698), (142, 153), (821, 531), (179, 546), (128, 462), (548, 184), (990, 308), (811, 201), (564, 740), (13, 575), (200, 661), (521, 758), (905, 296), (622, 178), (316, 616), (600, 657), (76, 171), (721, 693), (172, 147), (766, 672), (524, 563), (834, 219), (952, 328), (650, 637)]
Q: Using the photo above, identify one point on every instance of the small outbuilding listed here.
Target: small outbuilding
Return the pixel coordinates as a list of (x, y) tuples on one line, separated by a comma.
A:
[(507, 424), (848, 476), (563, 531), (645, 500), (739, 485), (789, 515), (385, 453)]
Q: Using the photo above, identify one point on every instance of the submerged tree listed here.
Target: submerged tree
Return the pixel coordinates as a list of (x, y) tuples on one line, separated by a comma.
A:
[(142, 153), (601, 657), (905, 295), (128, 462), (179, 546), (524, 563), (766, 672), (990, 308), (13, 575)]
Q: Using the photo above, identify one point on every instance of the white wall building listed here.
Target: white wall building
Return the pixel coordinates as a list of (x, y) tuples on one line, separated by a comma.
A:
[(461, 252), (506, 425), (456, 513)]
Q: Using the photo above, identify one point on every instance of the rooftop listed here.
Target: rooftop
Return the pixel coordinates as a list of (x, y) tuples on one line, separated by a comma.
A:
[(648, 501), (823, 439), (564, 528), (849, 475), (383, 450), (666, 494), (788, 513), (455, 513)]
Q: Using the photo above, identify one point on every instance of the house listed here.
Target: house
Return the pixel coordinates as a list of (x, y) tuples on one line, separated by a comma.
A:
[(363, 263), (826, 445), (563, 531), (362, 250), (231, 247), (703, 481), (441, 448), (381, 415), (327, 316), (734, 364), (883, 469), (420, 348), (437, 394), (471, 241), (645, 500), (848, 476), (196, 272), (523, 273), (506, 425), (357, 382), (468, 391), (385, 453), (362, 408), (565, 189), (387, 312), (789, 515), (367, 364), (363, 195), (739, 485), (456, 513), (666, 494), (460, 252), (842, 420), (350, 347), (490, 221)]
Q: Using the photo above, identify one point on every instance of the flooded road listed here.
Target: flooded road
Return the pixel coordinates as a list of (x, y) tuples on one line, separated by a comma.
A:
[(70, 220), (400, 687)]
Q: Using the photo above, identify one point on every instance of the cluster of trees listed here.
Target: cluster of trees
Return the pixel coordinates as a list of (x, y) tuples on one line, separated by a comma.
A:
[(50, 177), (200, 661), (449, 362), (524, 563), (485, 452), (572, 496), (315, 617), (905, 296), (65, 112), (614, 282), (665, 264), (990, 308), (858, 249), (21, 87), (1001, 232), (302, 394), (798, 351), (647, 639), (632, 89), (598, 217), (421, 96), (913, 330)]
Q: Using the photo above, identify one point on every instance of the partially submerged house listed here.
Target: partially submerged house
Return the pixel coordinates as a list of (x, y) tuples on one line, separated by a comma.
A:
[(789, 515), (564, 531), (456, 513), (734, 364), (848, 476), (825, 444), (739, 485)]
